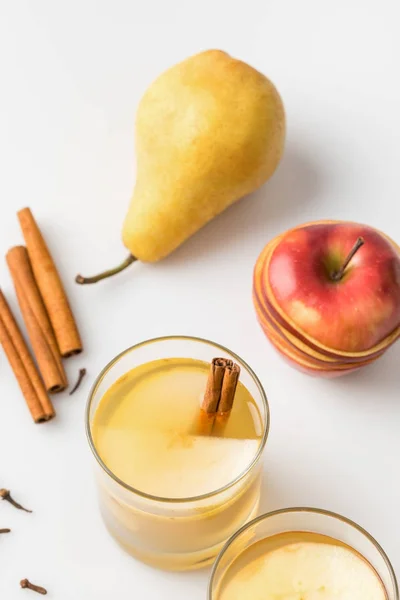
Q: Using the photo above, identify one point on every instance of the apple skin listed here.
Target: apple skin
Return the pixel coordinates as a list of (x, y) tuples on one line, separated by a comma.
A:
[(351, 315), (279, 335), (301, 360), (308, 369), (267, 313), (309, 345), (303, 348)]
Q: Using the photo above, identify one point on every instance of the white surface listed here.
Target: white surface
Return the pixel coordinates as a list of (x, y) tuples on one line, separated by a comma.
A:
[(72, 74)]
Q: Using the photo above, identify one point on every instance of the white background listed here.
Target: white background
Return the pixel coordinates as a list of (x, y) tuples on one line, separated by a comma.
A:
[(71, 76)]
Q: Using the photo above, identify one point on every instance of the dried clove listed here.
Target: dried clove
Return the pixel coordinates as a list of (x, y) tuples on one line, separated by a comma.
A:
[(5, 530), (25, 583), (5, 495), (82, 373)]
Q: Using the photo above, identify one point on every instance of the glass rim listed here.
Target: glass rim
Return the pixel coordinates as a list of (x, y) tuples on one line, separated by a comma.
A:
[(164, 499), (303, 509)]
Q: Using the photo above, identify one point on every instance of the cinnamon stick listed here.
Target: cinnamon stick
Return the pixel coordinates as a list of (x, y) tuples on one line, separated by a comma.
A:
[(204, 423), (23, 366), (225, 404), (219, 396), (214, 385), (37, 322), (229, 385), (50, 286)]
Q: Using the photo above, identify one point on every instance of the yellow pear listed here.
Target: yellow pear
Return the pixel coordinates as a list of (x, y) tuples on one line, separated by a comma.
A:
[(209, 130)]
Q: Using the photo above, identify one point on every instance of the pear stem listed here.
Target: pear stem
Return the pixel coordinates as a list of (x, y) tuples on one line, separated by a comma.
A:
[(337, 275), (128, 261)]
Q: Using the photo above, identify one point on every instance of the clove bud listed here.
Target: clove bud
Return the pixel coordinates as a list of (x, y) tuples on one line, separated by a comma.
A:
[(5, 495), (25, 583), (82, 373)]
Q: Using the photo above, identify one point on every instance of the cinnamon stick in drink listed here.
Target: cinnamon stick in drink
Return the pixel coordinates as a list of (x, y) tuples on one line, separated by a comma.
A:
[(229, 385), (37, 322), (50, 286), (215, 379), (23, 366), (219, 396), (212, 396)]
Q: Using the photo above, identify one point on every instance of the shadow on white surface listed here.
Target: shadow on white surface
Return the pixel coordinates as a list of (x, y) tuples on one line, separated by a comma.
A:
[(383, 377), (282, 202)]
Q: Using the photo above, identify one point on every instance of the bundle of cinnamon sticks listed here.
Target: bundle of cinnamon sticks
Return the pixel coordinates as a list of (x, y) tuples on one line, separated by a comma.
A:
[(48, 319)]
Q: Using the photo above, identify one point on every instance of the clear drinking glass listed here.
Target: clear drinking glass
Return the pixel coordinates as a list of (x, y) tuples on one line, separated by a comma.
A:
[(171, 533), (305, 520)]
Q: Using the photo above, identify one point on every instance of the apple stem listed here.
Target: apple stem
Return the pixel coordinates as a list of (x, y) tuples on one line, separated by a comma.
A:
[(337, 275), (128, 261)]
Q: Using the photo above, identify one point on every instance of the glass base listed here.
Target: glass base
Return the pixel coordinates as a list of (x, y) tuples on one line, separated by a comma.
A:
[(187, 561)]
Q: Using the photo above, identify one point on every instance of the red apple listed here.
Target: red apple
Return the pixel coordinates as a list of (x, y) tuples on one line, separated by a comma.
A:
[(327, 295), (351, 311)]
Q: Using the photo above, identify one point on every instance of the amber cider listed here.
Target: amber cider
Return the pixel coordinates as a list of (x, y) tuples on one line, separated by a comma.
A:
[(146, 431)]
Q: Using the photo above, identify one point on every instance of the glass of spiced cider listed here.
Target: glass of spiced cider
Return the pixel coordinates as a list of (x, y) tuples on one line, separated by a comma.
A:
[(302, 554), (177, 426)]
